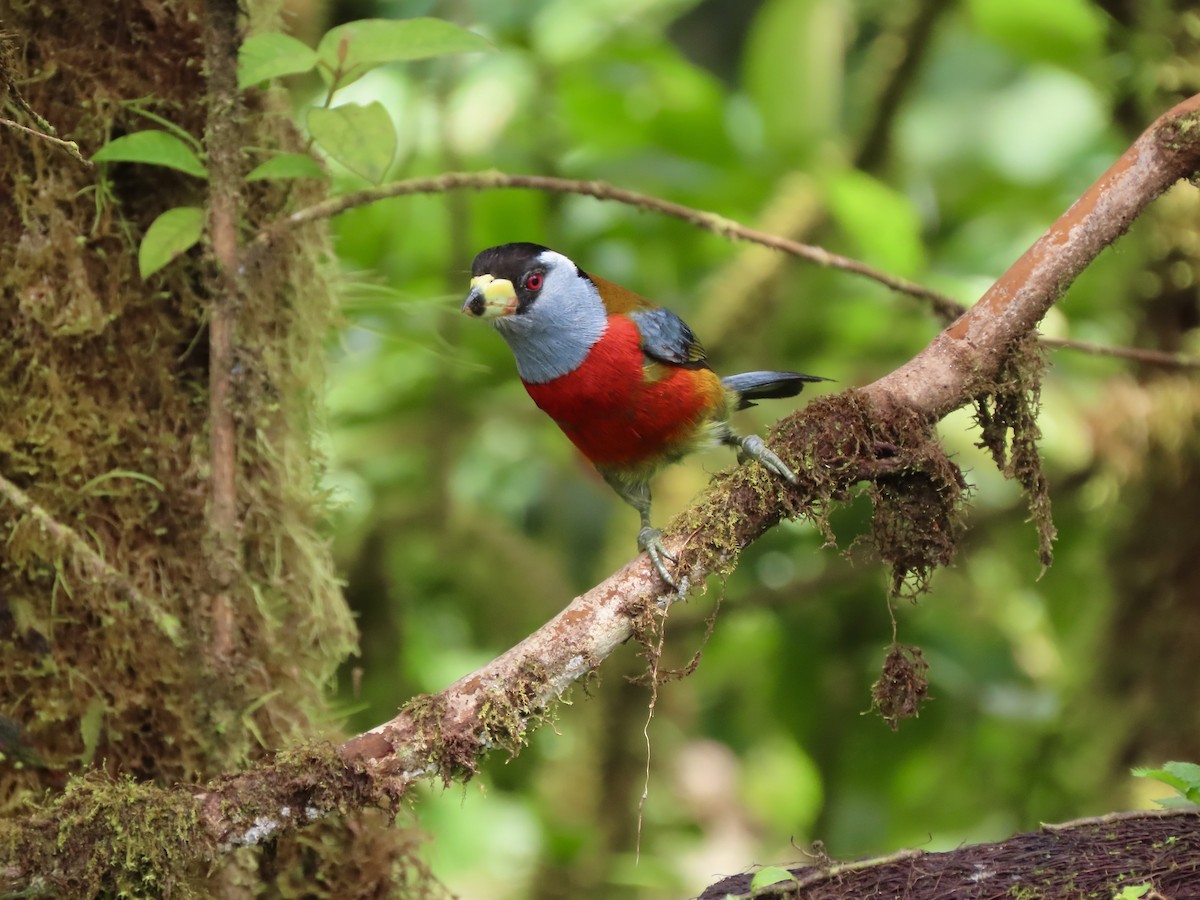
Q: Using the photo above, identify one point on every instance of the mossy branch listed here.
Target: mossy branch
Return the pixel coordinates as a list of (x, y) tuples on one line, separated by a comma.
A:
[(876, 432), (1158, 848), (949, 373)]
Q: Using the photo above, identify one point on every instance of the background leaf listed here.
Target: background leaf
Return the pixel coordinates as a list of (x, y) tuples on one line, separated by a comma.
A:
[(288, 165), (155, 148), (172, 233), (272, 55), (355, 48), (882, 221), (361, 138)]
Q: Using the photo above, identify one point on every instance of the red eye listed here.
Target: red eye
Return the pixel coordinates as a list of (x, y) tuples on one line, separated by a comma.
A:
[(533, 281)]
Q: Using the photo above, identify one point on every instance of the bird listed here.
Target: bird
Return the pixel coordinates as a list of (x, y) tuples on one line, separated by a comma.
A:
[(625, 379)]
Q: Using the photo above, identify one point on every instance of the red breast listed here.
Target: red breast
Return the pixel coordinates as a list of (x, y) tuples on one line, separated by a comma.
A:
[(621, 412)]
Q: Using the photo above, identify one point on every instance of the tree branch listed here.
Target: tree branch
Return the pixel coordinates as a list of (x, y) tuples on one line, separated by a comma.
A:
[(224, 154), (1161, 358), (969, 352), (69, 147), (490, 707), (707, 221), (944, 307)]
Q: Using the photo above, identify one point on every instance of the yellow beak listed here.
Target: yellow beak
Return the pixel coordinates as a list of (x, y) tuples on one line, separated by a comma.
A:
[(490, 298)]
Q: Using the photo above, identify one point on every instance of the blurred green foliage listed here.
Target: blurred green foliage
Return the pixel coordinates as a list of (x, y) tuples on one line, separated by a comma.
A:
[(930, 139)]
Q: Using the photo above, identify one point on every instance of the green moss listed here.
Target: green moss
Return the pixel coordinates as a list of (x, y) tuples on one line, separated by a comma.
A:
[(114, 836), (511, 709), (450, 753), (1007, 416)]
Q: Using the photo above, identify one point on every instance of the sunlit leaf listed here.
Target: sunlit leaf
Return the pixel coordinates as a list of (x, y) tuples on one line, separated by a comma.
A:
[(794, 66), (361, 138), (769, 875), (353, 49), (272, 55), (1065, 31), (155, 148), (288, 165), (1187, 772), (882, 221), (174, 232), (1184, 777)]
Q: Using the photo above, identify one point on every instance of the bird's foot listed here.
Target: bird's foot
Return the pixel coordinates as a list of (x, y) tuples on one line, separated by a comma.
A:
[(650, 540), (754, 448)]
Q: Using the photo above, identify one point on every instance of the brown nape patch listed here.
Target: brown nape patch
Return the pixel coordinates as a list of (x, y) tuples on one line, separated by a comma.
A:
[(1007, 415), (903, 685)]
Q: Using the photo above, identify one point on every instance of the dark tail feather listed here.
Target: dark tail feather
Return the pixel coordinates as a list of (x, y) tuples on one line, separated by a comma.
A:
[(751, 386)]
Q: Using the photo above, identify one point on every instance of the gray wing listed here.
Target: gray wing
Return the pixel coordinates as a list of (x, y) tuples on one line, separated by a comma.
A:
[(667, 338)]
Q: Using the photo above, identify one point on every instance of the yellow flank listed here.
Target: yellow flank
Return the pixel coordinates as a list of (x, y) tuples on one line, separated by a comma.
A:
[(618, 299)]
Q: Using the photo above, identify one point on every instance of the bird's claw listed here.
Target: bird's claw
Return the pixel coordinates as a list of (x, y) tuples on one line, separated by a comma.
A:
[(650, 540), (754, 448)]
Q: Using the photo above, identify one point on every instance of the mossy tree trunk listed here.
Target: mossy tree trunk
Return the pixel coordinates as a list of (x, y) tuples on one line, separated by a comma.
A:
[(106, 526)]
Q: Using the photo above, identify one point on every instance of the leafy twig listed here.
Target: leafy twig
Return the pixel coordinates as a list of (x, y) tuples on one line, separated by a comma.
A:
[(69, 147)]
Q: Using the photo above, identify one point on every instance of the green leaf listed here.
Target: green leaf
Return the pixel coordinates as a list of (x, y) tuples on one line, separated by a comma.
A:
[(1132, 892), (272, 55), (1163, 775), (882, 221), (793, 60), (154, 147), (769, 875), (172, 233), (348, 52), (1186, 772), (1184, 777), (1175, 802), (288, 165), (1068, 32), (89, 729), (361, 138)]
